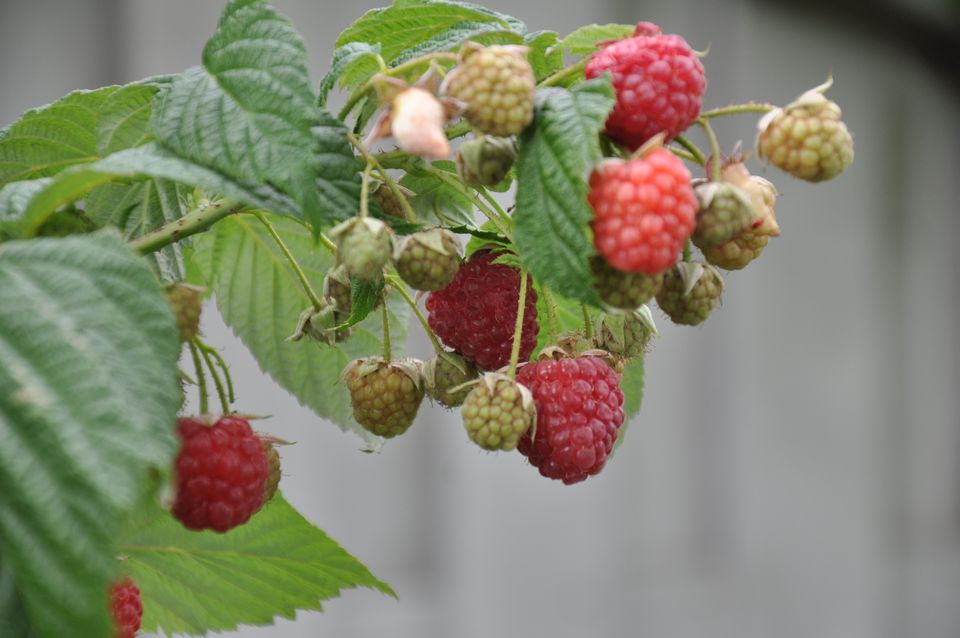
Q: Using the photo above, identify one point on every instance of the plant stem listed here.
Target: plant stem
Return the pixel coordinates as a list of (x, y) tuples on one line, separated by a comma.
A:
[(408, 212), (714, 149), (518, 328), (565, 73), (201, 378), (686, 251), (692, 148), (365, 190), (197, 220), (207, 348), (399, 287), (298, 271), (553, 328), (387, 350), (682, 154), (495, 205), (217, 382), (327, 243), (750, 107), (492, 215), (587, 321)]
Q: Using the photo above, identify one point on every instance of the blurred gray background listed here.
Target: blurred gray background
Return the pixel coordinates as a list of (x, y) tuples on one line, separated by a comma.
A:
[(795, 469)]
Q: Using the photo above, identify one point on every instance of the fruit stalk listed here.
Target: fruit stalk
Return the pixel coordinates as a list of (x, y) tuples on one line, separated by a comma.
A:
[(399, 287), (201, 378), (714, 149), (196, 221), (692, 149), (736, 109), (370, 158), (387, 350), (518, 329), (564, 73), (217, 381), (298, 271)]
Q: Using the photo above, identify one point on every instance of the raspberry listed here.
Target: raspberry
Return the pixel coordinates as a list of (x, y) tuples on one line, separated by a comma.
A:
[(364, 246), (476, 313), (272, 483), (807, 138), (428, 260), (579, 413), (690, 292), (444, 372), (645, 211), (738, 252), (126, 608), (388, 201), (221, 471), (623, 290), (186, 302), (725, 212), (659, 83), (497, 412), (385, 395), (485, 161), (497, 85)]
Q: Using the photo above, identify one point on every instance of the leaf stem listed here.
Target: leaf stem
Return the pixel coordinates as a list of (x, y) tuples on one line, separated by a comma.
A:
[(736, 109), (387, 350), (587, 321), (217, 382), (408, 211), (563, 74), (298, 271), (518, 327), (399, 287), (714, 149), (201, 379), (553, 328), (195, 221), (692, 148)]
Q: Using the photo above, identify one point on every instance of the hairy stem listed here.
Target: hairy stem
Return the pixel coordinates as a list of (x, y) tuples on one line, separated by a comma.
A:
[(387, 350), (553, 326), (208, 349), (686, 251), (692, 148), (294, 264), (518, 327), (365, 190), (408, 212), (201, 378), (217, 382), (196, 221), (565, 73), (714, 149), (736, 109), (399, 287), (587, 321)]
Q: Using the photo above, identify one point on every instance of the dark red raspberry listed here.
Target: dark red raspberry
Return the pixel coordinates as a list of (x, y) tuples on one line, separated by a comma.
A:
[(659, 83), (645, 210), (476, 313), (126, 608), (221, 473), (579, 413)]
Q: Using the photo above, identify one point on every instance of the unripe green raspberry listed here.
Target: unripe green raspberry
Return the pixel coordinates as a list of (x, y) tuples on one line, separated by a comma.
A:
[(725, 212), (186, 302), (388, 201), (738, 252), (690, 292), (807, 138), (486, 160), (445, 372), (623, 290), (364, 246), (497, 85), (385, 395), (428, 260), (337, 288), (497, 412), (627, 335)]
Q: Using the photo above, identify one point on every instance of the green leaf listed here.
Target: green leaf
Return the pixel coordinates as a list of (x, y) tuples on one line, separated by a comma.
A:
[(80, 127), (339, 183), (277, 563), (409, 28), (15, 199), (13, 619), (139, 163), (261, 298), (248, 112), (585, 39), (544, 56), (353, 64), (364, 296), (88, 401), (552, 211), (139, 208), (436, 199)]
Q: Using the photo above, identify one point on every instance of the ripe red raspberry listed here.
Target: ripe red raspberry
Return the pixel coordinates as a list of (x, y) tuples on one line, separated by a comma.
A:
[(645, 210), (659, 83), (126, 608), (579, 412), (476, 313), (221, 473)]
